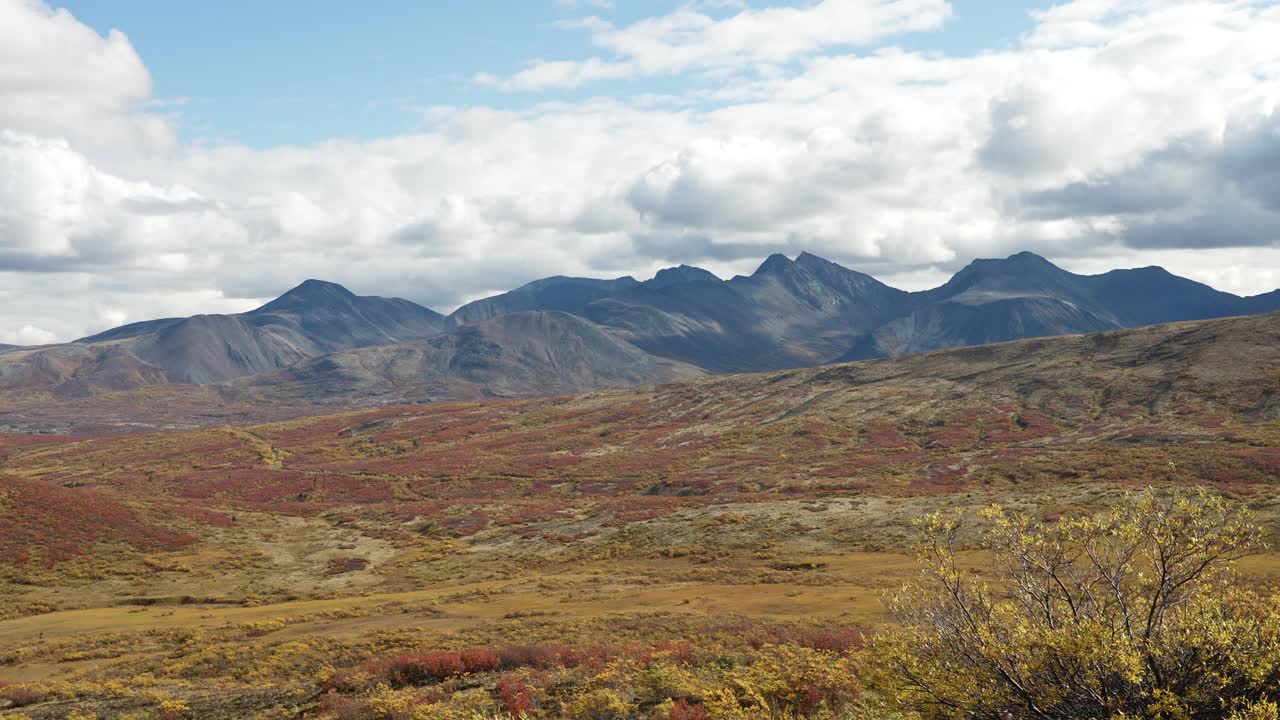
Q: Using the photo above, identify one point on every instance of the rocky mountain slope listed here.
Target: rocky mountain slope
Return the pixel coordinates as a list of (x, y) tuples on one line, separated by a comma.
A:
[(786, 314), (811, 311), (312, 319), (566, 294), (517, 355), (1027, 296)]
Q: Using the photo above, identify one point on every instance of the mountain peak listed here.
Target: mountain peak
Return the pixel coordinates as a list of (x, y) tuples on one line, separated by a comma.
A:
[(1148, 271), (774, 264), (1024, 272), (308, 295), (1024, 259), (817, 264), (559, 292), (1021, 262), (680, 275), (314, 287), (553, 281), (1026, 256)]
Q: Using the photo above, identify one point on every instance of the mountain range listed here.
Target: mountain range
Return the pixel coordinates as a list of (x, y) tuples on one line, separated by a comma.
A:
[(320, 343)]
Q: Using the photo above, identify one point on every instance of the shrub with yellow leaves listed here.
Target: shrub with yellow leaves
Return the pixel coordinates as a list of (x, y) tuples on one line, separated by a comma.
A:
[(598, 704), (1133, 613), (174, 710), (785, 681)]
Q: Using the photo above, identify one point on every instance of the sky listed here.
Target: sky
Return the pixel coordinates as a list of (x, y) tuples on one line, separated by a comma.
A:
[(162, 159)]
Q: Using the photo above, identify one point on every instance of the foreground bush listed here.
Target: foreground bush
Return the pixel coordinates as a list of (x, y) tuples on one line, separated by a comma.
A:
[(1130, 614)]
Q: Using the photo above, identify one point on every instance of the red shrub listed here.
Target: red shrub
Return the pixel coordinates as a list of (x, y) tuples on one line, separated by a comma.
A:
[(55, 523), (814, 696), (883, 436), (515, 694), (836, 639), (422, 668), (841, 639), (678, 650), (537, 512), (463, 525), (346, 564), (684, 711), (530, 656), (22, 695)]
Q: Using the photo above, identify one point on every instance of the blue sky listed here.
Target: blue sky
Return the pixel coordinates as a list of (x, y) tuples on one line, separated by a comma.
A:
[(291, 72)]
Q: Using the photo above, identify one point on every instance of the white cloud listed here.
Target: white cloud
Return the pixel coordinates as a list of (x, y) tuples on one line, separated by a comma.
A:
[(28, 335), (61, 79), (690, 39), (1121, 134), (60, 212)]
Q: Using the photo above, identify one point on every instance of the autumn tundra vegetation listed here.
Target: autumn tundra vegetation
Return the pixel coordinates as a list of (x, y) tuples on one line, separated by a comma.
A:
[(1132, 613), (1136, 612), (1077, 527)]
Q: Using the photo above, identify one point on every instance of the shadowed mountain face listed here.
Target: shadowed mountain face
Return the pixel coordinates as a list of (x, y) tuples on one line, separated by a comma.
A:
[(787, 314), (566, 294), (313, 319), (1025, 295), (518, 355), (991, 301), (1266, 302), (811, 311)]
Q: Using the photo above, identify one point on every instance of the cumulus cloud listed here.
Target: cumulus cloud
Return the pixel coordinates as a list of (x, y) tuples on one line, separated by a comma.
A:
[(60, 212), (1194, 193), (1123, 133), (62, 79)]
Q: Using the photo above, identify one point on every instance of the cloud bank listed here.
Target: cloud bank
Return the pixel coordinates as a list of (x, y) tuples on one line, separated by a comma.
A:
[(1117, 133)]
